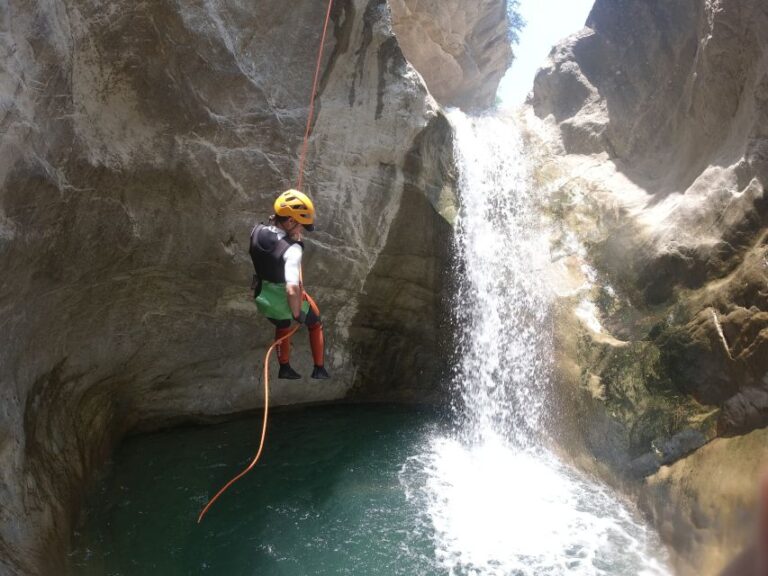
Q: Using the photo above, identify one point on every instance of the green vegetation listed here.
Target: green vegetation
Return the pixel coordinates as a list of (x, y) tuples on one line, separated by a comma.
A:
[(516, 22), (639, 393)]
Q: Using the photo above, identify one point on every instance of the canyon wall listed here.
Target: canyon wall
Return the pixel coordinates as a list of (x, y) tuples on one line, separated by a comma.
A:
[(654, 119), (140, 142), (460, 48)]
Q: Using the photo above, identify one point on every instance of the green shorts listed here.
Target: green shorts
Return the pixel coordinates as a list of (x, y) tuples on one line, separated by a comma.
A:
[(272, 301)]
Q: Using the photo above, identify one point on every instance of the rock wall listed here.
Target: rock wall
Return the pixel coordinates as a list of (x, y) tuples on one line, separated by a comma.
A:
[(459, 48), (708, 516), (654, 119), (140, 142)]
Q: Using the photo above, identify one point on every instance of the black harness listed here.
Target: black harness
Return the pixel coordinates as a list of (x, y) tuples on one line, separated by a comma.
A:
[(267, 250)]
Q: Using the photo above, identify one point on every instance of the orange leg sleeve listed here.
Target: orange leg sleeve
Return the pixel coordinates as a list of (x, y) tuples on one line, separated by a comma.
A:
[(284, 348), (317, 342)]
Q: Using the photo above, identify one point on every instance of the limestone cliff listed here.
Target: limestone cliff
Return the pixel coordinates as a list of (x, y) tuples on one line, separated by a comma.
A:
[(140, 142), (656, 118), (460, 48)]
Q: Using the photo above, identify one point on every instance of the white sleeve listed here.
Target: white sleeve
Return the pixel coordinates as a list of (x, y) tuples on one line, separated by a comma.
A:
[(292, 258)]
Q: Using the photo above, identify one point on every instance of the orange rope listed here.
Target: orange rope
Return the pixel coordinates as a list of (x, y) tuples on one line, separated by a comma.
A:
[(312, 98), (263, 427), (312, 304), (316, 310)]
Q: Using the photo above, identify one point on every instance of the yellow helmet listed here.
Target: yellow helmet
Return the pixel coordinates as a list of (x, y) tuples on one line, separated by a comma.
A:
[(298, 206)]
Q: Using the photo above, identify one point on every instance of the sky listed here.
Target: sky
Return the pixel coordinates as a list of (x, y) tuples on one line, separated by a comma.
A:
[(547, 22)]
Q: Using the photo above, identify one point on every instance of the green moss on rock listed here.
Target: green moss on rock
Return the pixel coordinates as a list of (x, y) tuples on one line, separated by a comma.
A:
[(638, 394)]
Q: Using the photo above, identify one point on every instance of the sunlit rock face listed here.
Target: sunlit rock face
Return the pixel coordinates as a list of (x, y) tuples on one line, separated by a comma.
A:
[(460, 48), (662, 109), (140, 142), (675, 95), (656, 121), (702, 503)]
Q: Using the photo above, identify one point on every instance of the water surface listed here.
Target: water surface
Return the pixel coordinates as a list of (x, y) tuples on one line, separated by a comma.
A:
[(364, 490), (326, 498)]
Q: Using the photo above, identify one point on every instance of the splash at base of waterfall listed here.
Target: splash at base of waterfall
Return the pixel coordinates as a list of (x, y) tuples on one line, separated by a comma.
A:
[(498, 510)]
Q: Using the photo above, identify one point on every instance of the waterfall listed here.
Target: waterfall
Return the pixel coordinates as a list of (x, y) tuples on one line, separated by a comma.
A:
[(497, 500), (502, 305)]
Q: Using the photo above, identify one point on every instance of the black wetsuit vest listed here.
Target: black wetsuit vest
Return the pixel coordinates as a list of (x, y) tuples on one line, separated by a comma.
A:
[(267, 250)]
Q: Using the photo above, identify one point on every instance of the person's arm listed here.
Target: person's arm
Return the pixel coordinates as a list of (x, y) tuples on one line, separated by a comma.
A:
[(293, 289), (294, 299)]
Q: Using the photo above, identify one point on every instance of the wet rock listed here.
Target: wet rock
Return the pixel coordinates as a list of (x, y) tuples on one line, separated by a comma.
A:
[(645, 465), (636, 419), (698, 360), (681, 444), (745, 411), (705, 504)]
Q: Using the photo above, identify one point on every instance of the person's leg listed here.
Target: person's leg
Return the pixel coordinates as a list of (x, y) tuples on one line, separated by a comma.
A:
[(317, 343), (283, 328)]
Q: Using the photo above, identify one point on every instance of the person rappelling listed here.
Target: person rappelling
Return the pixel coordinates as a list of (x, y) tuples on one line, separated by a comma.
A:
[(276, 250)]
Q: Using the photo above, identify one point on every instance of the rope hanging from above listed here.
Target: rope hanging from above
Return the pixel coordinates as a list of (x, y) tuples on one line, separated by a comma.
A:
[(311, 114)]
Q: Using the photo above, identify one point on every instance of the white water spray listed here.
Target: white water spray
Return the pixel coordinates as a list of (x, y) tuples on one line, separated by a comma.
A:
[(499, 503), (502, 301)]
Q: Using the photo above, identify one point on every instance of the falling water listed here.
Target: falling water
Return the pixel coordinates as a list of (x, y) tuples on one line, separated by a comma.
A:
[(499, 502), (503, 303)]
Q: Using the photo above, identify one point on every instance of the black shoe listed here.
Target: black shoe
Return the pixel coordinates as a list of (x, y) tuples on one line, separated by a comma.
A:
[(320, 373), (288, 373)]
